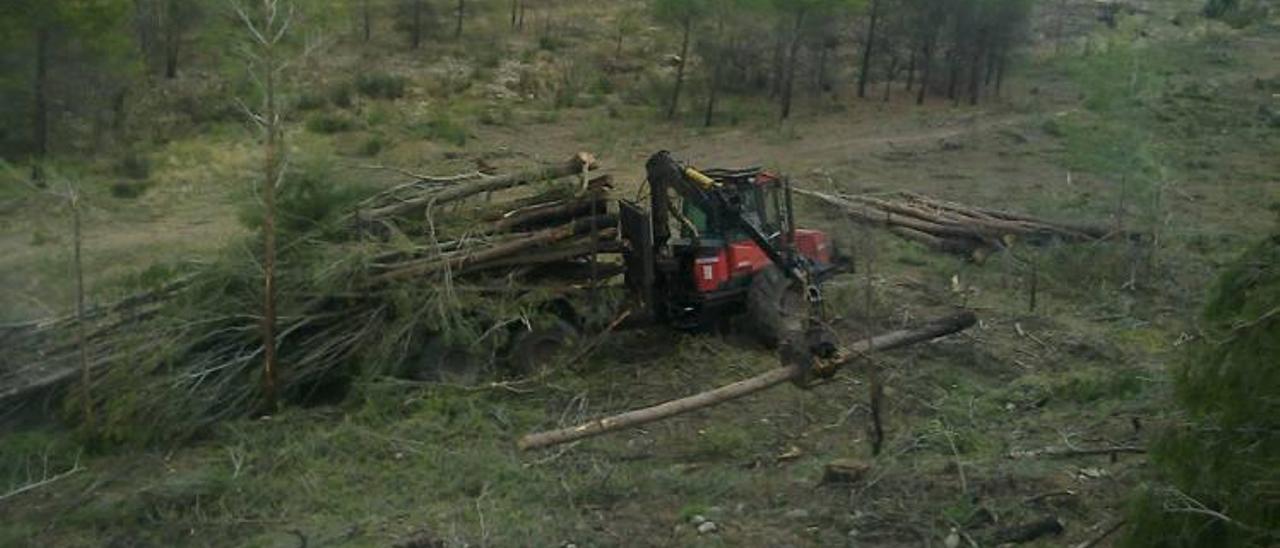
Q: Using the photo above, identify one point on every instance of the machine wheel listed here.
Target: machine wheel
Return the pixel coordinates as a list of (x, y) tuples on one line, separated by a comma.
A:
[(534, 349), (776, 308)]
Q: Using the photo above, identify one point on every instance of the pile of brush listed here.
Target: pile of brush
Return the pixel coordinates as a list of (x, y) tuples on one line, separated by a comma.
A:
[(386, 284), (949, 227)]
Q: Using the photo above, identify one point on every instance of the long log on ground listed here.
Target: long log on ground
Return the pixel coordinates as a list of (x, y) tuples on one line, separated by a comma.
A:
[(457, 192), (981, 225), (872, 216), (1098, 232), (888, 341), (507, 249)]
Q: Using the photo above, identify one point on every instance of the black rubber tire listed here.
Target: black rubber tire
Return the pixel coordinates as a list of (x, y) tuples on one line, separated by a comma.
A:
[(776, 308), (532, 350)]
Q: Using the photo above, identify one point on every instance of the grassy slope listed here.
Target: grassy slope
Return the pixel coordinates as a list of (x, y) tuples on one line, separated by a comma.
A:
[(401, 461)]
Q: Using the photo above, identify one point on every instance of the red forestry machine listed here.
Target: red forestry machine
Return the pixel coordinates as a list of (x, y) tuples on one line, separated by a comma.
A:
[(738, 250), (737, 253)]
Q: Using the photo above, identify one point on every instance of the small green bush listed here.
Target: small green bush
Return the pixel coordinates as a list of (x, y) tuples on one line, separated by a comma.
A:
[(134, 165), (309, 100), (342, 95), (373, 146), (1219, 466), (129, 190), (329, 123), (381, 85), (443, 128)]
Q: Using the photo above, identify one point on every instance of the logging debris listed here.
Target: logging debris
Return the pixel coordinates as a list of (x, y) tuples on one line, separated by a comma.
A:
[(460, 259)]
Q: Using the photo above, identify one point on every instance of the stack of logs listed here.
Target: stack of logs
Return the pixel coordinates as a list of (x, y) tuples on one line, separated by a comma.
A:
[(537, 231), (972, 232)]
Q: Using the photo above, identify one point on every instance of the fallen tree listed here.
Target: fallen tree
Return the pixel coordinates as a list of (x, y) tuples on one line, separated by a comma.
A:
[(888, 341)]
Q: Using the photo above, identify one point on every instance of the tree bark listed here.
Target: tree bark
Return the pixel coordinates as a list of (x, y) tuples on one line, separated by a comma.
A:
[(975, 70), (367, 20), (684, 60), (81, 342), (462, 12), (171, 45), (792, 60), (925, 72), (897, 339), (953, 77), (416, 32), (40, 123), (867, 48), (911, 69), (1000, 74), (272, 174), (712, 96), (717, 59)]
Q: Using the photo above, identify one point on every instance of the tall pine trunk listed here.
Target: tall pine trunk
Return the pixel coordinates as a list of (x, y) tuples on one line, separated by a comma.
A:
[(975, 71), (368, 24), (911, 68), (1000, 74), (867, 48), (462, 12), (81, 338), (416, 31), (171, 45), (684, 60), (40, 115), (953, 76), (926, 70), (793, 59)]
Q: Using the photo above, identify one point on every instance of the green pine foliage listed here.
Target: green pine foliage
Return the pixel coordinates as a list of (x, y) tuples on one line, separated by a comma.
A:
[(1221, 461)]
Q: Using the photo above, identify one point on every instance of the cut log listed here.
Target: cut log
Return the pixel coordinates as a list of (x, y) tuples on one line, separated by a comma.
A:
[(845, 471), (549, 213), (464, 190), (459, 261), (955, 228), (579, 247), (932, 330), (1028, 532)]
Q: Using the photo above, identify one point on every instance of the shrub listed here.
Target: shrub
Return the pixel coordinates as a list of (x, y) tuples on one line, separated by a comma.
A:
[(128, 190), (308, 100), (1219, 467), (341, 95), (442, 127), (329, 123), (373, 146), (134, 165), (381, 85)]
